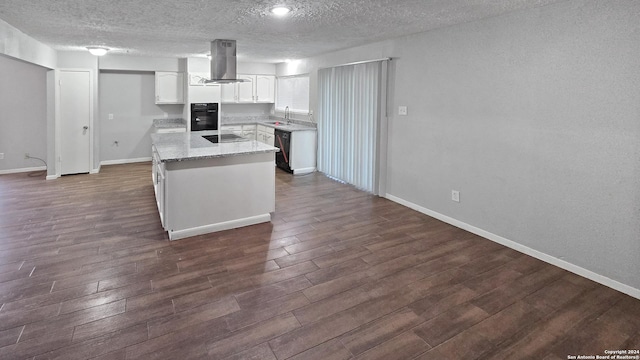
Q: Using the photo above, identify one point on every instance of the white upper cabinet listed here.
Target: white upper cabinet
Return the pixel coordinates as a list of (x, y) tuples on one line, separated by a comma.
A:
[(228, 93), (265, 88), (169, 87), (246, 90), (257, 88)]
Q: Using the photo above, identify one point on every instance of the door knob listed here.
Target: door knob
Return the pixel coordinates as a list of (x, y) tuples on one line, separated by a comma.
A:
[(85, 127)]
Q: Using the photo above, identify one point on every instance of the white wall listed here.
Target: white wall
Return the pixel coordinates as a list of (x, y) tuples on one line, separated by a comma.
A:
[(140, 63), (130, 97), (15, 43), (256, 68), (534, 117), (23, 113)]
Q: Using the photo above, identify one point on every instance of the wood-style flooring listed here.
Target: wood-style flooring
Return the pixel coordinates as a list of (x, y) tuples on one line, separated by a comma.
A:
[(87, 272)]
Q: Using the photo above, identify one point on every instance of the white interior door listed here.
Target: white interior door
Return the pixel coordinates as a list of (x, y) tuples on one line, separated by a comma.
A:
[(75, 116)]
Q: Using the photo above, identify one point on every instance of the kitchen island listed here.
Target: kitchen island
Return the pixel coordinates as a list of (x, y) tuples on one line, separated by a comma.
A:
[(203, 187)]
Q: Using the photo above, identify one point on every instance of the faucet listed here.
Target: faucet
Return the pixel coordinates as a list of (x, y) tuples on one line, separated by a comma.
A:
[(287, 115)]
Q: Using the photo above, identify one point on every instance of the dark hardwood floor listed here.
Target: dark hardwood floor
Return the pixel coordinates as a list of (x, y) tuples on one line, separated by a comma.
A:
[(87, 272)]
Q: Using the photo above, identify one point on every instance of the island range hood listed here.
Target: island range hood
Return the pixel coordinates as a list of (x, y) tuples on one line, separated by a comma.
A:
[(223, 62)]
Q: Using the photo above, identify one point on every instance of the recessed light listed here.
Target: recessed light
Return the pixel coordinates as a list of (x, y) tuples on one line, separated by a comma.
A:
[(97, 51), (280, 10)]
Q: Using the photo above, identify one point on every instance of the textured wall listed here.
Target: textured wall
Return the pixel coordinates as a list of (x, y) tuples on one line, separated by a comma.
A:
[(534, 117), (23, 113)]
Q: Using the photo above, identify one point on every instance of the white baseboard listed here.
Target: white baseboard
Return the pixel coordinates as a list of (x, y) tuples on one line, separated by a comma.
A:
[(23, 170), (303, 171), (52, 177), (227, 225), (616, 285), (124, 161)]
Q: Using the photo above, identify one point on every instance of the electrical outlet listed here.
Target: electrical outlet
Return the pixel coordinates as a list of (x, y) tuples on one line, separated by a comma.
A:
[(455, 195), (110, 116), (402, 110), (26, 155), (1, 156)]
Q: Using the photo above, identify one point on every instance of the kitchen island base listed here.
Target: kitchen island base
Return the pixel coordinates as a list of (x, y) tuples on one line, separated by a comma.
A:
[(208, 195)]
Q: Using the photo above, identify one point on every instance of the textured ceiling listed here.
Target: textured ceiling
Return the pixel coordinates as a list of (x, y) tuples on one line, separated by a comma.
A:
[(184, 28)]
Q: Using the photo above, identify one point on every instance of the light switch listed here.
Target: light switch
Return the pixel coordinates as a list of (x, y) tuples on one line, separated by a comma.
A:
[(402, 110), (110, 116)]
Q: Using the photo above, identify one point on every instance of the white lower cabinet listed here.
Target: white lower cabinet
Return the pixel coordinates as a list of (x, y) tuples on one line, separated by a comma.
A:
[(233, 129), (265, 134), (159, 177), (249, 132), (170, 130), (302, 152)]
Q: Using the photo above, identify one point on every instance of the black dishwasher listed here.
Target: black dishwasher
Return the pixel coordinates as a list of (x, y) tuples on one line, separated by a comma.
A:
[(283, 142)]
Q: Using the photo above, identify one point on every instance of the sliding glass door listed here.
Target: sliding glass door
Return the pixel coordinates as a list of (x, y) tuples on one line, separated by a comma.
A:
[(351, 101)]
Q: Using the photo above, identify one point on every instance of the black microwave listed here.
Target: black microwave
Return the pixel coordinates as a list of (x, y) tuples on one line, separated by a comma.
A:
[(204, 116)]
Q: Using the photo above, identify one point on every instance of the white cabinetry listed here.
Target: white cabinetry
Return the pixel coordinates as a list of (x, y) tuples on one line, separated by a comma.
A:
[(302, 152), (246, 90), (257, 89), (265, 135), (265, 88), (228, 93), (249, 132), (159, 176), (246, 131), (169, 87), (168, 130), (233, 129)]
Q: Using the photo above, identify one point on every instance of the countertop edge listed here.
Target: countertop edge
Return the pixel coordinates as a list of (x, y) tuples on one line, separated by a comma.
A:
[(217, 156)]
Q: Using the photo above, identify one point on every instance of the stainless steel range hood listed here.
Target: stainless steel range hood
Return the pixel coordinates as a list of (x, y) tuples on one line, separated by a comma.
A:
[(223, 62)]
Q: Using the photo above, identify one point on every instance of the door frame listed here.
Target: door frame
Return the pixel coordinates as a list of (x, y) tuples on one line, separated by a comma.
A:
[(58, 120)]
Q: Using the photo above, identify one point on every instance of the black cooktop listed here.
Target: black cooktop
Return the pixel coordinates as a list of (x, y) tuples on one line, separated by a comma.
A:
[(224, 138)]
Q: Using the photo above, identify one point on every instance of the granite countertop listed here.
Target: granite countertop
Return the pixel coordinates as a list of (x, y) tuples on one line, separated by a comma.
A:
[(165, 123), (192, 146), (281, 124)]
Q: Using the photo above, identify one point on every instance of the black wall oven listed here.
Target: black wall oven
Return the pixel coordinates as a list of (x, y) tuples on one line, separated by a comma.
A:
[(204, 116)]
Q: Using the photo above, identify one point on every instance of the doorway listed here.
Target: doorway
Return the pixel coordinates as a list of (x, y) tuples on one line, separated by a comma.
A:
[(352, 124), (75, 94)]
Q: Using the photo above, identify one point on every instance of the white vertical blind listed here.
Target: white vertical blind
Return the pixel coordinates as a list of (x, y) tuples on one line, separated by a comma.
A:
[(293, 91), (348, 120)]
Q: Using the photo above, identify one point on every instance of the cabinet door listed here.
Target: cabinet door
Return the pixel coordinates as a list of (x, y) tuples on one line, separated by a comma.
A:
[(197, 79), (246, 90), (169, 88), (237, 129), (228, 93), (249, 134), (265, 88), (269, 139)]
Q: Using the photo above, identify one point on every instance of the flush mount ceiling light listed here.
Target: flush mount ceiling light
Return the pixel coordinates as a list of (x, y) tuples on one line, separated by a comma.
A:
[(97, 51), (280, 10)]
